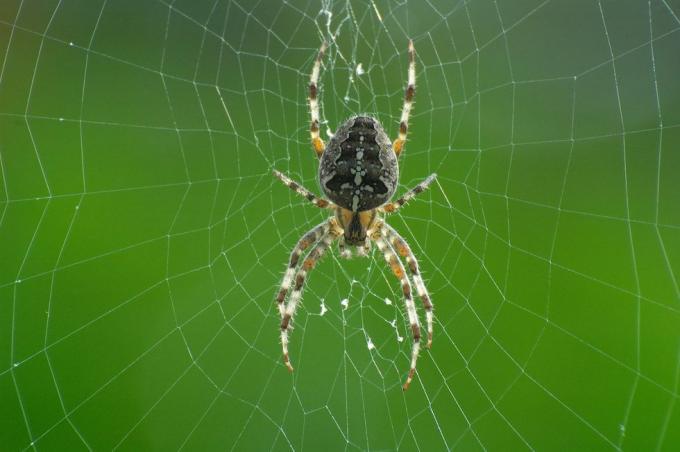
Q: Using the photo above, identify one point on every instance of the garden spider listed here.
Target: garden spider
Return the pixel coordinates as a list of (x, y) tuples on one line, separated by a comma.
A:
[(358, 172)]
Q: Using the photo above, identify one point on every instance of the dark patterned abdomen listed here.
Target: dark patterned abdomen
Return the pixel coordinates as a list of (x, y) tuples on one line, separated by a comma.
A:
[(358, 169)]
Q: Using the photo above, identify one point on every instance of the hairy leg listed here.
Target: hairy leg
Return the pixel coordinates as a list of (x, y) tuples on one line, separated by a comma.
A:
[(307, 265), (398, 269), (317, 142), (312, 236), (302, 191), (409, 195), (404, 250), (398, 144)]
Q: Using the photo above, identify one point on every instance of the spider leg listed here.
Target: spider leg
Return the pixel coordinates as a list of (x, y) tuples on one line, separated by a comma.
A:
[(317, 142), (393, 206), (398, 144), (399, 271), (309, 238), (302, 191), (307, 265), (399, 243)]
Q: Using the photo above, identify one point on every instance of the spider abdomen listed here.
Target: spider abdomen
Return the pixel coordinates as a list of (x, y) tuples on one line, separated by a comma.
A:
[(358, 169)]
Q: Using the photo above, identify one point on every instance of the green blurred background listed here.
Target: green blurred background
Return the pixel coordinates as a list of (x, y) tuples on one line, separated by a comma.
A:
[(143, 238)]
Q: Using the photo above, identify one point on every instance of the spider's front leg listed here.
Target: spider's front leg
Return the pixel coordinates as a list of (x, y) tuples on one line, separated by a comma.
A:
[(310, 237), (312, 258), (398, 269), (399, 243)]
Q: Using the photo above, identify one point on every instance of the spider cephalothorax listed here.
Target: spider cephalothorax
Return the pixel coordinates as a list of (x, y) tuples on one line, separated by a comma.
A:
[(358, 172)]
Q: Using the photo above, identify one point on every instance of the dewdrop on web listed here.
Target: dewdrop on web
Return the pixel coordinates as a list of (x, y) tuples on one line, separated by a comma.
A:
[(360, 69), (393, 324), (323, 308), (370, 344), (344, 303)]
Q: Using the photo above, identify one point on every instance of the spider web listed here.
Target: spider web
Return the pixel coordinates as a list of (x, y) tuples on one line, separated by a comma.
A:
[(143, 237)]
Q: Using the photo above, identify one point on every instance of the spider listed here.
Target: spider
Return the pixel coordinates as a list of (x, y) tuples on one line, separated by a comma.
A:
[(358, 172)]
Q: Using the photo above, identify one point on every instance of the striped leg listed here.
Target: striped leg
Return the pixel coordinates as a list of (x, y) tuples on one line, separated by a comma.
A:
[(317, 142), (314, 255), (302, 191), (398, 144), (404, 250), (310, 237), (409, 195), (399, 271)]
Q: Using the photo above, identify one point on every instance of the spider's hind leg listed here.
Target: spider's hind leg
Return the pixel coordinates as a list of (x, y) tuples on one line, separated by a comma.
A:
[(398, 144), (317, 142)]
